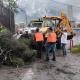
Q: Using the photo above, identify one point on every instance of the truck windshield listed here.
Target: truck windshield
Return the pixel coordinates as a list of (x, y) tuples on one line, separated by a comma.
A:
[(36, 25), (50, 23)]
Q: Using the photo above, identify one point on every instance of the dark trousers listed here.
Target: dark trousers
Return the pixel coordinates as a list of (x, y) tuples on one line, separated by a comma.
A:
[(50, 47), (64, 48), (39, 48)]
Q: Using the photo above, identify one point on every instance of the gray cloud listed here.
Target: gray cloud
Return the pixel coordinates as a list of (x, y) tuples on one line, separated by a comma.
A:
[(39, 8)]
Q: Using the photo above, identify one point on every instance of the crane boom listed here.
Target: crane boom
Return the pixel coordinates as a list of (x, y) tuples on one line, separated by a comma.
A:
[(65, 22)]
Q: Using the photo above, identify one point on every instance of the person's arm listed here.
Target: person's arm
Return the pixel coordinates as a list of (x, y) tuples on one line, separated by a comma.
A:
[(60, 31), (34, 37)]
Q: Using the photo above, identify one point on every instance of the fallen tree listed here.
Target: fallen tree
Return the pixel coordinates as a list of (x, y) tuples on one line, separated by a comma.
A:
[(14, 52)]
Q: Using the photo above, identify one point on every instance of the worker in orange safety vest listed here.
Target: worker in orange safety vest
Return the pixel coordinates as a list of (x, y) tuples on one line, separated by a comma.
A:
[(39, 42), (51, 44)]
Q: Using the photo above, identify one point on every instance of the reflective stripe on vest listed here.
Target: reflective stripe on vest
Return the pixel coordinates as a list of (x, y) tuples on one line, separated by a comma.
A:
[(52, 37), (38, 36)]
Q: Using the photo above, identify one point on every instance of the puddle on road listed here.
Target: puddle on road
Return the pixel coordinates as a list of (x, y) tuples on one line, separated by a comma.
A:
[(65, 71), (28, 75)]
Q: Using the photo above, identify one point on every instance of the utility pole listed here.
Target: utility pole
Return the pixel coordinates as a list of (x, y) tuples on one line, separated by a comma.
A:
[(1, 2), (45, 11), (25, 14)]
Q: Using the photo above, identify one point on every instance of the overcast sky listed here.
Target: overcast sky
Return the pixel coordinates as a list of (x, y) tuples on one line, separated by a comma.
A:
[(38, 8)]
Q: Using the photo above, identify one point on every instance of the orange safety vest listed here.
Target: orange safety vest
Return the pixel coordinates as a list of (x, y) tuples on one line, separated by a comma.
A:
[(39, 36), (52, 37)]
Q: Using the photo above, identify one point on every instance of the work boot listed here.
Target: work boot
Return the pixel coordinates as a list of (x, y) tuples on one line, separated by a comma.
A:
[(54, 58), (64, 55)]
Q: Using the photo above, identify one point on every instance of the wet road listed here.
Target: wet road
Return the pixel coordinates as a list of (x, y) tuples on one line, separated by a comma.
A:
[(65, 68)]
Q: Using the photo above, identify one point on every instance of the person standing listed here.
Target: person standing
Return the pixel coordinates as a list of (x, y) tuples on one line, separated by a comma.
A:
[(51, 44), (39, 42), (25, 35), (17, 35), (64, 41)]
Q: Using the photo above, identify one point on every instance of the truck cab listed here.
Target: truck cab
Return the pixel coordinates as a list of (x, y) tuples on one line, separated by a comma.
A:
[(33, 25)]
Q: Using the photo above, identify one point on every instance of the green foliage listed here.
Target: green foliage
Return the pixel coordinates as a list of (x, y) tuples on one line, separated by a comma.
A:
[(17, 62), (2, 29), (25, 41), (28, 54), (12, 5), (76, 49), (18, 49)]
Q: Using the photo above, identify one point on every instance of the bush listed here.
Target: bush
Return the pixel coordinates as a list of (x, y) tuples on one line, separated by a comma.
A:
[(17, 62), (29, 55), (76, 49), (2, 29), (19, 49), (24, 41)]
